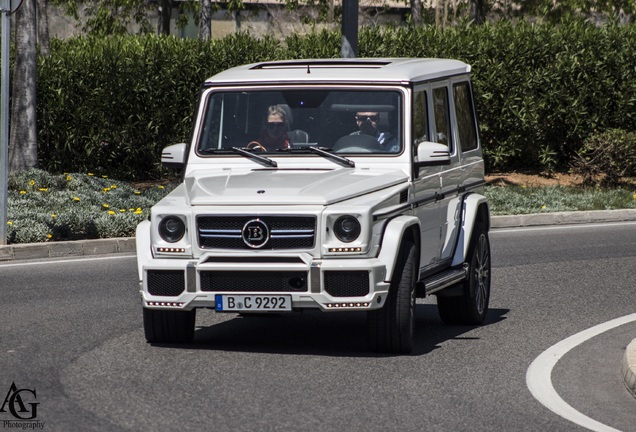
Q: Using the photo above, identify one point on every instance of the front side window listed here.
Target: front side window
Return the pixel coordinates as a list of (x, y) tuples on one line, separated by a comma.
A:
[(442, 119), (282, 121), (420, 118)]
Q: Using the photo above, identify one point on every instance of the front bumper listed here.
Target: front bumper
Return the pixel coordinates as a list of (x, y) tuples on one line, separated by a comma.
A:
[(326, 284)]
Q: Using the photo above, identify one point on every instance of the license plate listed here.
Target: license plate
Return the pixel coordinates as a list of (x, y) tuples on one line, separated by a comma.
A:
[(252, 303)]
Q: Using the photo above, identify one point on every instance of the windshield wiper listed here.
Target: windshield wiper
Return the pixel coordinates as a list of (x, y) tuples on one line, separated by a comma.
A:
[(322, 152), (263, 159)]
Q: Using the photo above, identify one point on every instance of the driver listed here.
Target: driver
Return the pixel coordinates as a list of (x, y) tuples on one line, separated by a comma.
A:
[(368, 123), (274, 133)]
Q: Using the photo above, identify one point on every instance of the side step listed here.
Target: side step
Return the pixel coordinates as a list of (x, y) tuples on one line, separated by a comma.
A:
[(444, 279)]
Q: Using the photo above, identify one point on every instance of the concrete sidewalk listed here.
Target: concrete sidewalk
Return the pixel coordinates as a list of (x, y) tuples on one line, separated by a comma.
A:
[(20, 252)]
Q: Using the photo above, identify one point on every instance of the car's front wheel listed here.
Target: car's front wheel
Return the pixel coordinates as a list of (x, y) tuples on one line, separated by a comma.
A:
[(168, 326), (391, 328), (471, 306)]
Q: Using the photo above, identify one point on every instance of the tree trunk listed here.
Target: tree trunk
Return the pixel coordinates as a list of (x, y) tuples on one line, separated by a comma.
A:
[(43, 27), (476, 10), (23, 150), (165, 13), (416, 12), (205, 20)]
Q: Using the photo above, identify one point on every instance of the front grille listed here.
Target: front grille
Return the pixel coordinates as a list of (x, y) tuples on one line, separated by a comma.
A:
[(169, 283), (347, 283), (254, 281), (286, 232)]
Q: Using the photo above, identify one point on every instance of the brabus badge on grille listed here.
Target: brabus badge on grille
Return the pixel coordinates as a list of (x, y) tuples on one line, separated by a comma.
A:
[(255, 233)]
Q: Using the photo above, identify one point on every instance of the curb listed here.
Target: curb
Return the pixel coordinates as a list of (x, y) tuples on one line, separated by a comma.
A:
[(563, 218), (628, 368), (19, 252)]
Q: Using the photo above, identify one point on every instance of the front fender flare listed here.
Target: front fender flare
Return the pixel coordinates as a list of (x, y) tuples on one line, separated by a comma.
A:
[(392, 239)]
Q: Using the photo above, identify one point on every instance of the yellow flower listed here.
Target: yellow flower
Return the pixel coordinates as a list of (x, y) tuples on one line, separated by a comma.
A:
[(76, 199), (138, 211), (104, 176), (122, 210), (69, 178), (634, 196), (23, 192), (113, 186), (160, 187), (544, 207), (54, 215), (106, 206), (48, 236), (106, 190), (91, 174), (32, 183), (110, 212), (9, 223), (44, 189), (139, 193)]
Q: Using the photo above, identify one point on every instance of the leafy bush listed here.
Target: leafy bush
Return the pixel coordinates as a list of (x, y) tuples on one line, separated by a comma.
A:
[(606, 157), (111, 105)]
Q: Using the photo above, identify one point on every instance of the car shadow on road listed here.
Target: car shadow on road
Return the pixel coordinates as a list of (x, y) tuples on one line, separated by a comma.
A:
[(318, 333)]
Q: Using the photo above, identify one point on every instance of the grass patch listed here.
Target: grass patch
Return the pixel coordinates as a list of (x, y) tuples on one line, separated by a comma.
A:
[(511, 200)]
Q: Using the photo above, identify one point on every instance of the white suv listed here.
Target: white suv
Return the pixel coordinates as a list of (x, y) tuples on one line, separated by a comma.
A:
[(338, 185)]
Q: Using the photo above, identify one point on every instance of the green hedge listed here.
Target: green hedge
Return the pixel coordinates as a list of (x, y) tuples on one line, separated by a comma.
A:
[(110, 105)]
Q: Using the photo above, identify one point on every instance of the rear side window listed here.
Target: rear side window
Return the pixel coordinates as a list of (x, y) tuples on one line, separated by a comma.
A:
[(466, 124)]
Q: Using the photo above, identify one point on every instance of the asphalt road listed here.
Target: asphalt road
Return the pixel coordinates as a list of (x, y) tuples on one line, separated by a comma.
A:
[(71, 331)]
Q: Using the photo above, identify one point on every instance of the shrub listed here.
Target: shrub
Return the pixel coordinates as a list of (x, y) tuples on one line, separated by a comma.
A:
[(45, 207), (606, 157), (111, 105)]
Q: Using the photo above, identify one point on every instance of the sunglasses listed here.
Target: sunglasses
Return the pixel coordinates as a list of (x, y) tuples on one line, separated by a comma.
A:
[(371, 118)]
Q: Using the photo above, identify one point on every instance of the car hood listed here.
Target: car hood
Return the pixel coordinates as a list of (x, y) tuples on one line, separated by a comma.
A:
[(272, 187)]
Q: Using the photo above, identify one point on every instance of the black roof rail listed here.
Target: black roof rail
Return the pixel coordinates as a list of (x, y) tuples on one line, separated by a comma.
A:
[(335, 63)]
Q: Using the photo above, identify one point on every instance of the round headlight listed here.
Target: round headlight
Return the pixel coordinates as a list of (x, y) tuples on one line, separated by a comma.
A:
[(171, 229), (347, 228)]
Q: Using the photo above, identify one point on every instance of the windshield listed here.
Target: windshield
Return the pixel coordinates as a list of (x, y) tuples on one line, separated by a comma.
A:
[(286, 121)]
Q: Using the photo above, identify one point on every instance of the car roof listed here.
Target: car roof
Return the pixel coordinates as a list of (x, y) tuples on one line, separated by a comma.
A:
[(356, 70)]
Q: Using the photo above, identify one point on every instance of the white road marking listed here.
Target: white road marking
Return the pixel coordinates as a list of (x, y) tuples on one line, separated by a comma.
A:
[(539, 374)]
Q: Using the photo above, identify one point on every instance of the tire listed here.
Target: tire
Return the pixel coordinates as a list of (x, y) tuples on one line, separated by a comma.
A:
[(167, 326), (391, 329), (471, 306)]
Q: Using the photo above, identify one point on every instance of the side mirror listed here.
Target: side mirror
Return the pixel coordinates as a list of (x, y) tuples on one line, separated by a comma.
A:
[(174, 156), (432, 154)]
